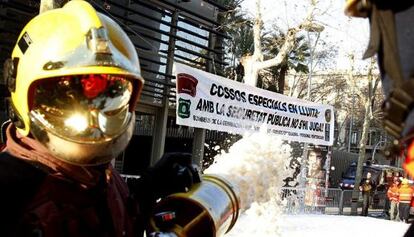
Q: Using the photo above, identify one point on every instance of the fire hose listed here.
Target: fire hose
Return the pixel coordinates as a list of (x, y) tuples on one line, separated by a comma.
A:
[(209, 209)]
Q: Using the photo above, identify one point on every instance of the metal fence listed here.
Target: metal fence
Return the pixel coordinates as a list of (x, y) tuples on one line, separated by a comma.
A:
[(332, 201)]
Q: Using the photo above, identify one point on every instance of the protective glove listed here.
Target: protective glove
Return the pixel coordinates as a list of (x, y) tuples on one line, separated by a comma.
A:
[(173, 173)]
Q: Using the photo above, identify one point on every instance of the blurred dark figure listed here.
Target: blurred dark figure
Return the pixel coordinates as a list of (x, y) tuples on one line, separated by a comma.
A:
[(366, 186)]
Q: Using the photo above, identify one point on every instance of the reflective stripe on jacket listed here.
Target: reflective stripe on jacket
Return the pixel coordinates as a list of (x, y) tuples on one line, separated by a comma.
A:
[(392, 193), (405, 193)]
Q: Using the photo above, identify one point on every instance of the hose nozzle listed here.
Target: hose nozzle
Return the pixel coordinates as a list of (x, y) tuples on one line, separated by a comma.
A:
[(208, 209)]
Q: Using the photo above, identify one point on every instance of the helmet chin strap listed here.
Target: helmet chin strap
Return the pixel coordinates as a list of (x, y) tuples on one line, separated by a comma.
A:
[(9, 75), (10, 72)]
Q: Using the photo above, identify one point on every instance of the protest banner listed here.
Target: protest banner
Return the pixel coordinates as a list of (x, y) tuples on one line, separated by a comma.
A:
[(205, 100)]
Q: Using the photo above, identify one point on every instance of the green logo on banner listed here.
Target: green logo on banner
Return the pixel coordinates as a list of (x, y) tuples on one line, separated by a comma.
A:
[(184, 108)]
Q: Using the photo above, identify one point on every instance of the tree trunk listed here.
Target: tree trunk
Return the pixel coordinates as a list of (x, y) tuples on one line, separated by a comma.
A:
[(250, 70), (281, 79), (368, 104), (361, 156)]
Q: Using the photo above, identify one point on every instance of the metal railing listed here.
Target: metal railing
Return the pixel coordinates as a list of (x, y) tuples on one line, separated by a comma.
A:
[(332, 201)]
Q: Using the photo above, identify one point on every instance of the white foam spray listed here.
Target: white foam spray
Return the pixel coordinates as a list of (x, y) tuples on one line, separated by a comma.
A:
[(256, 166)]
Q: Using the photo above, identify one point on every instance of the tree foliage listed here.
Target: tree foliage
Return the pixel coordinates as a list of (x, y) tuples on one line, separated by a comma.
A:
[(273, 78)]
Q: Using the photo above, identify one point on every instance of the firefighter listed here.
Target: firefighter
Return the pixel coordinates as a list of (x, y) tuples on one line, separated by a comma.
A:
[(74, 78), (392, 194), (405, 195)]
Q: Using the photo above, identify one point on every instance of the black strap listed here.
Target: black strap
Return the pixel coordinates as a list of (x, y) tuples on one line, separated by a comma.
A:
[(397, 107), (383, 40), (3, 131)]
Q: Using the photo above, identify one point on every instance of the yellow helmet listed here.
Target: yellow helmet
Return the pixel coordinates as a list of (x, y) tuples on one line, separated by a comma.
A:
[(74, 79), (357, 8)]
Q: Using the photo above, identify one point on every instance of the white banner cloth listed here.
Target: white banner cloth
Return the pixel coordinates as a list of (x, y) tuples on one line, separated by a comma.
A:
[(205, 100)]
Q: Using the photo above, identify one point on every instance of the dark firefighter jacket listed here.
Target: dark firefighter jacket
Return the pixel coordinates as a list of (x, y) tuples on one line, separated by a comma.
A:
[(50, 200)]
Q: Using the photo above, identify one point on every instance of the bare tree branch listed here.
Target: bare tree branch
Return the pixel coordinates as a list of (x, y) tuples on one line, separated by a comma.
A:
[(254, 63), (284, 51)]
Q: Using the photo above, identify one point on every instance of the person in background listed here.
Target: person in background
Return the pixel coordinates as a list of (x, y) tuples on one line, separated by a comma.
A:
[(405, 195), (386, 184), (366, 187), (392, 194)]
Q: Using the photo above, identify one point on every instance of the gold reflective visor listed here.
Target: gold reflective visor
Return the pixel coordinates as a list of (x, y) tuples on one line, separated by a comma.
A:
[(82, 108), (83, 119)]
